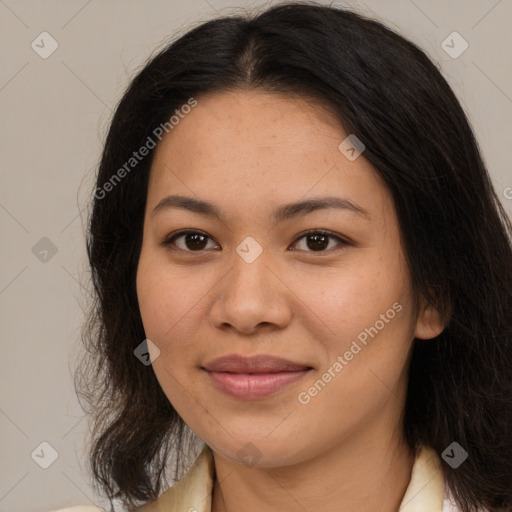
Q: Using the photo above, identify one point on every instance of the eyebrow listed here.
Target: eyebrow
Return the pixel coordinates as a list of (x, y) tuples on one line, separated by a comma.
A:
[(282, 213)]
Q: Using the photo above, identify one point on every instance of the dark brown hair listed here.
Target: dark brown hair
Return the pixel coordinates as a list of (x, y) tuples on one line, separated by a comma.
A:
[(457, 237)]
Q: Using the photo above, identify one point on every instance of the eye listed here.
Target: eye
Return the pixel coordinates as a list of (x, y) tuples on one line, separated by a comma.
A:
[(192, 241), (318, 241), (197, 241)]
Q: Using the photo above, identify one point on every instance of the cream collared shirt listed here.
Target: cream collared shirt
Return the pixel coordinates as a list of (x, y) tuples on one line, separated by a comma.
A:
[(426, 491)]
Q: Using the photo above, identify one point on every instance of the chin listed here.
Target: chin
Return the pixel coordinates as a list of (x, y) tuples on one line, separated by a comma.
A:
[(262, 451)]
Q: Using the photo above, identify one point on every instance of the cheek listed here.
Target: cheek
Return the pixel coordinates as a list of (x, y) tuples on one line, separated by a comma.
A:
[(353, 297), (163, 304), (172, 303), (166, 296), (371, 312), (150, 297)]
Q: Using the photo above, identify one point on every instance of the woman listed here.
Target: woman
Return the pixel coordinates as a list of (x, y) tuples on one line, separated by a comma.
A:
[(302, 272)]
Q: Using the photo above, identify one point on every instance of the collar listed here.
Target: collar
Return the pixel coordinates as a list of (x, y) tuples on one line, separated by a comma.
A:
[(193, 492)]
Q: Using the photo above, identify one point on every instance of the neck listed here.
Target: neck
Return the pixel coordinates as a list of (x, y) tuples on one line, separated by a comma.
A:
[(367, 472)]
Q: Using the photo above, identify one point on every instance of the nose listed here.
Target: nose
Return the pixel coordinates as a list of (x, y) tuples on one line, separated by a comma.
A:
[(250, 298)]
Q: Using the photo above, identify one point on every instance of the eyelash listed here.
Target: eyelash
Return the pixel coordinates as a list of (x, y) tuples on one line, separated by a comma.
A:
[(169, 241)]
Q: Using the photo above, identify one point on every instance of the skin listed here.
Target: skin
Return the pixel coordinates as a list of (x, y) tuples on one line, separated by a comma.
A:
[(249, 152)]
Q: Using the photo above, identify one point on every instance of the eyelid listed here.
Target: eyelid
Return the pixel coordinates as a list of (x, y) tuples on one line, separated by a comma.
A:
[(344, 241), (169, 239)]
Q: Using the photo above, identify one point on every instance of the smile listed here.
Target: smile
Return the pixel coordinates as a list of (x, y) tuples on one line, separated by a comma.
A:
[(254, 386), (253, 377)]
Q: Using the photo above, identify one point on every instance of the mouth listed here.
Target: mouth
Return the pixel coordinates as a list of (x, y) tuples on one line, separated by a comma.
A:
[(254, 377)]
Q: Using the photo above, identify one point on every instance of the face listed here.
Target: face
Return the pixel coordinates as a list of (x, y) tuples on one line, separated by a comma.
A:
[(323, 285)]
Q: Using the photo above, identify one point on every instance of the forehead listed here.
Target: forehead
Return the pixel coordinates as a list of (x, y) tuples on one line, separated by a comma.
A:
[(254, 148)]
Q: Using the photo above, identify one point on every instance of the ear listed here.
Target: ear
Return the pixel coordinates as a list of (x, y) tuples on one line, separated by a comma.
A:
[(430, 322)]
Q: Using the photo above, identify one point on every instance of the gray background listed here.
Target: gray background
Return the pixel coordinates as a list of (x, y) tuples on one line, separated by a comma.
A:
[(55, 113)]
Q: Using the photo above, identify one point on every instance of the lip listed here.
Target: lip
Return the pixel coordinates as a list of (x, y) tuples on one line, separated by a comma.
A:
[(253, 377)]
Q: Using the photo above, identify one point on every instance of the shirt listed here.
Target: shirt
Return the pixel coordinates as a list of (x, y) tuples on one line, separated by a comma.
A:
[(426, 491)]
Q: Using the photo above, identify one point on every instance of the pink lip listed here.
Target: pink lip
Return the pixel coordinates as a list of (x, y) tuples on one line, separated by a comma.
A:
[(255, 377)]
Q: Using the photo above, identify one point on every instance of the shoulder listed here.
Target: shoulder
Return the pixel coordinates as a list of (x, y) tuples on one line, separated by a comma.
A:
[(449, 504), (428, 489), (192, 492)]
